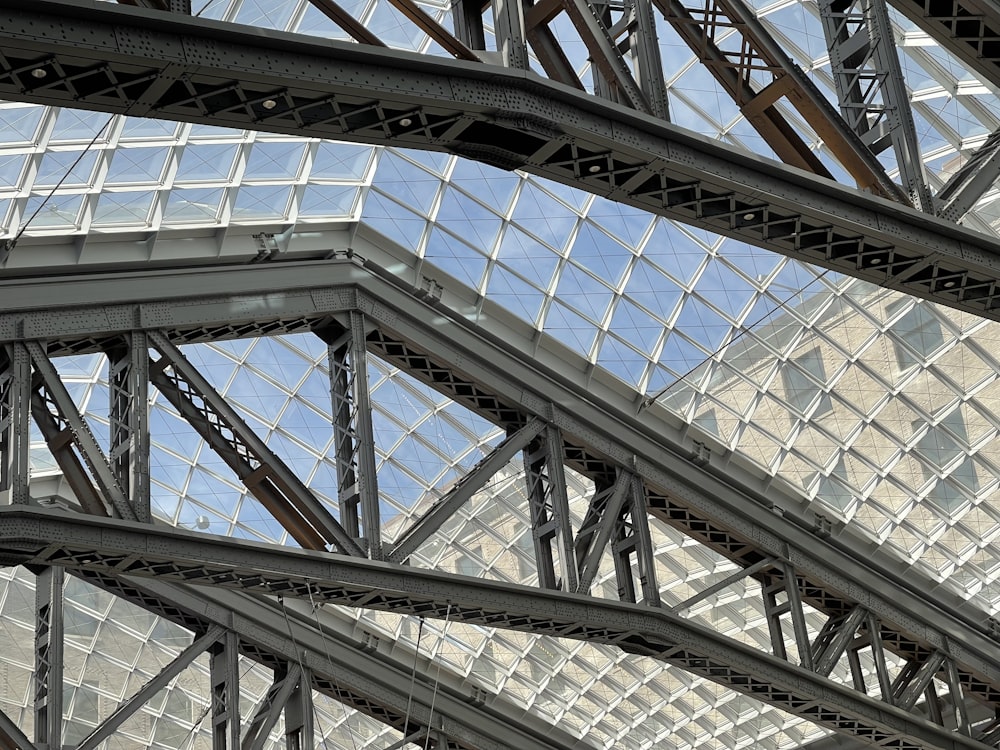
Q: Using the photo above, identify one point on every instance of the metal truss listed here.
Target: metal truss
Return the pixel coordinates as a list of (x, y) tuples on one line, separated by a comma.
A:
[(360, 674), (971, 180), (968, 29), (871, 89), (212, 73), (110, 547), (639, 465)]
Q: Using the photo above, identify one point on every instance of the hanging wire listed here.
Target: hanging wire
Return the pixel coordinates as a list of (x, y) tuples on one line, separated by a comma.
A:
[(650, 400), (8, 246), (437, 679), (329, 658)]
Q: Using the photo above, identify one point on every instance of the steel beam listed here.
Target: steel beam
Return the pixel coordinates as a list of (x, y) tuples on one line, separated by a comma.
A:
[(872, 92), (360, 93), (463, 489), (968, 29), (971, 181), (112, 547), (506, 374), (15, 408), (337, 665), (224, 697), (264, 474), (11, 736), (48, 677), (162, 679), (57, 401), (128, 390)]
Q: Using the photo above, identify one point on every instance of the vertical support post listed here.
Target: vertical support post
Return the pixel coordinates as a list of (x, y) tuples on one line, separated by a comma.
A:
[(774, 608), (549, 504), (48, 679), (467, 16), (299, 725), (225, 677), (632, 538), (871, 88), (354, 436), (128, 380), (508, 25), (645, 48), (15, 406)]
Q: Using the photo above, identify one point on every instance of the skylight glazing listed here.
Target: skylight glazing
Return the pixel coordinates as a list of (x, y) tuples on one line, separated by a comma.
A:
[(882, 410)]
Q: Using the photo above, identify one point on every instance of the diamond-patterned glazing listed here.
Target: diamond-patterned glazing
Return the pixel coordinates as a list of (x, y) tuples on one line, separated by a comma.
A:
[(881, 409)]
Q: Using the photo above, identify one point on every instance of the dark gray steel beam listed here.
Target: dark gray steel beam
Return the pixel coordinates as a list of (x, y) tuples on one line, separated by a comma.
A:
[(112, 547), (15, 408), (265, 475), (507, 118), (340, 667), (48, 677), (968, 29), (509, 376), (60, 403), (870, 85), (11, 736), (128, 391), (460, 493), (972, 180)]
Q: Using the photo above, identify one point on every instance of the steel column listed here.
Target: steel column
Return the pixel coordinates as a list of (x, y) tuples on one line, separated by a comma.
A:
[(549, 507), (872, 92), (45, 538), (128, 389), (463, 489), (264, 474), (54, 399), (15, 407), (157, 683), (225, 692), (300, 728), (48, 677), (353, 435), (271, 707)]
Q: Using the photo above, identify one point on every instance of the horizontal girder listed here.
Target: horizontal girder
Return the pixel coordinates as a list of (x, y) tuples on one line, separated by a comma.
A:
[(170, 66), (720, 506), (43, 537)]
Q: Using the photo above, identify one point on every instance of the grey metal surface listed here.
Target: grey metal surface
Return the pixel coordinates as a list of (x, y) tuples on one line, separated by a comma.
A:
[(367, 94), (107, 546), (719, 505), (340, 666)]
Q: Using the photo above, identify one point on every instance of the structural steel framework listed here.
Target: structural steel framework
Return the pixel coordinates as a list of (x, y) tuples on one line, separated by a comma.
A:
[(173, 67), (635, 474), (617, 143)]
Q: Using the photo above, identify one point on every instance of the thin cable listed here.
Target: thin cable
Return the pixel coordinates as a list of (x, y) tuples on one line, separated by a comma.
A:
[(413, 679), (61, 181), (437, 680), (203, 8), (650, 400), (326, 650)]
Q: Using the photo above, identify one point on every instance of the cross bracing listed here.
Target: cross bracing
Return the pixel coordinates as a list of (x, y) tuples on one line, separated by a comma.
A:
[(855, 412), (816, 581)]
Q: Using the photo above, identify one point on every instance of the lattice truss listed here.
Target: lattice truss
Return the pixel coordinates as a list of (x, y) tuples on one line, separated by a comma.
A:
[(878, 410)]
